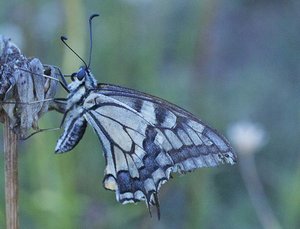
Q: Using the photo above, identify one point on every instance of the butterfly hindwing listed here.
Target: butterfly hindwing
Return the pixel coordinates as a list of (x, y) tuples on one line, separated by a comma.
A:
[(145, 139)]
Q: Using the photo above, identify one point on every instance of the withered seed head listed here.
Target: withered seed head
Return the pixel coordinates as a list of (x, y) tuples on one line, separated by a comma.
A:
[(23, 89)]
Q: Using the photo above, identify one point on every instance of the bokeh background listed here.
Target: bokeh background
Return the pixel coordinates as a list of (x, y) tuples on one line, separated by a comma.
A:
[(235, 64)]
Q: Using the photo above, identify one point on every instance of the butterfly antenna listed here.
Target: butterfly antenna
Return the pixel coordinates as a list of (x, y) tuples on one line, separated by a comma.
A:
[(63, 39), (91, 36)]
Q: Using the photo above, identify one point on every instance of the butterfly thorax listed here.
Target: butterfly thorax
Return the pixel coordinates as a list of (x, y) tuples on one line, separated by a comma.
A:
[(80, 87)]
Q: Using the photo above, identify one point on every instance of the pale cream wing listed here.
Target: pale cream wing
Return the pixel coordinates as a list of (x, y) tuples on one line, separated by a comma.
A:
[(145, 139)]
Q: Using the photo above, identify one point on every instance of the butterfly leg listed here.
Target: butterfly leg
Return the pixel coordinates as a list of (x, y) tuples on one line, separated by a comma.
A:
[(63, 81), (59, 105), (42, 75), (26, 103), (38, 131)]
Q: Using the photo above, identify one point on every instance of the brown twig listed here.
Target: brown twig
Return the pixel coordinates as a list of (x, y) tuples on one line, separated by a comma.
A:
[(11, 176)]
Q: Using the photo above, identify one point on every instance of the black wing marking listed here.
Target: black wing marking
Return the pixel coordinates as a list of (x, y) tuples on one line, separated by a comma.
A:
[(145, 139)]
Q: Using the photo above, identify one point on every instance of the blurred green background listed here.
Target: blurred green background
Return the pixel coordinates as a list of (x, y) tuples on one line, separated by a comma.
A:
[(225, 61)]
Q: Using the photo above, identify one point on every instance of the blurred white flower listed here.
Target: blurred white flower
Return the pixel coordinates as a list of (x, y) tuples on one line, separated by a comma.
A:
[(247, 137)]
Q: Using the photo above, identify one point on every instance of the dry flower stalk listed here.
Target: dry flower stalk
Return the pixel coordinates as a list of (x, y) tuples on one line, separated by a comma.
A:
[(25, 95)]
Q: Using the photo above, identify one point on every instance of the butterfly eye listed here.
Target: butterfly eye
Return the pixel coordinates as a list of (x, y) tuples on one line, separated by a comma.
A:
[(73, 76), (81, 74)]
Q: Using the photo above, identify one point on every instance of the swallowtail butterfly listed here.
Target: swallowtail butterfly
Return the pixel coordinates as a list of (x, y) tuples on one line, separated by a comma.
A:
[(144, 138)]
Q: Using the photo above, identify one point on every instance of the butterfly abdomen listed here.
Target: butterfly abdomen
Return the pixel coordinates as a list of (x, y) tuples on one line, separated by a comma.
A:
[(74, 130)]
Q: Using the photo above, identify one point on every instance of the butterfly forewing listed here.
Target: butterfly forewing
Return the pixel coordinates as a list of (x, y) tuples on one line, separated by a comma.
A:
[(146, 138)]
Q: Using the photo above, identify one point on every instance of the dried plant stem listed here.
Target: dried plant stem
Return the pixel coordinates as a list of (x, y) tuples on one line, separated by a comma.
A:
[(11, 176)]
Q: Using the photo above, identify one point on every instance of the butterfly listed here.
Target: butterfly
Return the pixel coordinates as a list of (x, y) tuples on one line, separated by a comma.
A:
[(144, 138)]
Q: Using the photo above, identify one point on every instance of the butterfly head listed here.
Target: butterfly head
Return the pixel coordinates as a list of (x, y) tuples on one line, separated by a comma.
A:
[(80, 74), (83, 77)]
